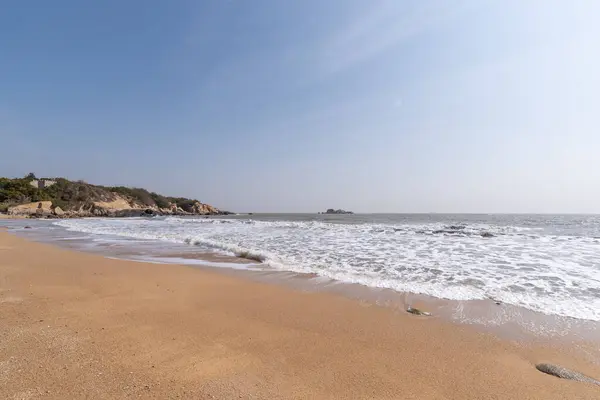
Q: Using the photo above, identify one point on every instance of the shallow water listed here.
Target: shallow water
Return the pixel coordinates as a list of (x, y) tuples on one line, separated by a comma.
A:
[(545, 263)]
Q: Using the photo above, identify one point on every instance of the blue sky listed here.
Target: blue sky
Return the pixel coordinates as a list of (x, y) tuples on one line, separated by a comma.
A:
[(374, 106)]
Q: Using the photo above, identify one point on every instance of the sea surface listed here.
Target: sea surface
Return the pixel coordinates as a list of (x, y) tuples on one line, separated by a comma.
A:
[(545, 263)]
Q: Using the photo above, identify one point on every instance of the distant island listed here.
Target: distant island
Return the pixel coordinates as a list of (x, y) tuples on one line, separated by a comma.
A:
[(332, 211), (62, 198)]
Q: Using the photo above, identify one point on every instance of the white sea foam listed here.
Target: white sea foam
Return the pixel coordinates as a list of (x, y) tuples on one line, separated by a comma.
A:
[(553, 274)]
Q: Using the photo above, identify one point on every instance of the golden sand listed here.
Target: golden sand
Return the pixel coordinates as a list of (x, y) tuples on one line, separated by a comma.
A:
[(80, 326)]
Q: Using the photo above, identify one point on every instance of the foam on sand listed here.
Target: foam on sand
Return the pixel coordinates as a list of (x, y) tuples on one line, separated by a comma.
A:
[(552, 274)]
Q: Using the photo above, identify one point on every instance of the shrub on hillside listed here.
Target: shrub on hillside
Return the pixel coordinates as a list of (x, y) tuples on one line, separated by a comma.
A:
[(138, 194), (71, 195), (16, 190), (160, 200)]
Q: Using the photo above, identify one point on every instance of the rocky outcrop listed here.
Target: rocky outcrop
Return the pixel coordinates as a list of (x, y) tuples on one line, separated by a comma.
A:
[(119, 207), (38, 208), (73, 199), (339, 211), (195, 208), (119, 203), (204, 209), (416, 311), (564, 373)]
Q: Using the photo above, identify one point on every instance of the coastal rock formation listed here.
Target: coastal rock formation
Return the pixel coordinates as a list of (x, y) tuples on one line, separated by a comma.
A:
[(204, 209), (62, 198), (565, 373), (31, 209), (416, 311), (118, 203), (339, 211), (121, 207)]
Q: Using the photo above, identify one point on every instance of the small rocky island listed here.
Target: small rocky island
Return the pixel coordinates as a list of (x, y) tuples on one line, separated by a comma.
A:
[(339, 211)]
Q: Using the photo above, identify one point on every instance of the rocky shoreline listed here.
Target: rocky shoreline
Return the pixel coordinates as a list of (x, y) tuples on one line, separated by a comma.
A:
[(114, 209), (30, 197)]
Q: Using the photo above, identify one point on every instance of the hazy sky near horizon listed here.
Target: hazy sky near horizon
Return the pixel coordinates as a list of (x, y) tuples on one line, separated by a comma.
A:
[(372, 106)]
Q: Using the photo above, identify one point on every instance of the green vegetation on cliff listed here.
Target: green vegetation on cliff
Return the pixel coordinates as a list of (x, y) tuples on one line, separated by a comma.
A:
[(70, 195)]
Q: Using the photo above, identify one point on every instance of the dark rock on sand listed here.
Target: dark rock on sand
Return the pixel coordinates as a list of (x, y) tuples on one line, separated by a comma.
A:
[(416, 311), (250, 256), (565, 373)]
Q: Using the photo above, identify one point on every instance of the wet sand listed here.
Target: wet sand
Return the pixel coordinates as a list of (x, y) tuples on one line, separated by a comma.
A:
[(76, 325)]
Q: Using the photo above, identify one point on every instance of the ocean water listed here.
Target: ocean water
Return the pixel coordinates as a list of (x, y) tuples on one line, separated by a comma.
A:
[(545, 263)]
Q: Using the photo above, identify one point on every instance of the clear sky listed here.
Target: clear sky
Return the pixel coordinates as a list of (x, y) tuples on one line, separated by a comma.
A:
[(372, 106)]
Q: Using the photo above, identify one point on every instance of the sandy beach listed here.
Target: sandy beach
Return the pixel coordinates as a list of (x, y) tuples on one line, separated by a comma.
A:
[(76, 325), (6, 216)]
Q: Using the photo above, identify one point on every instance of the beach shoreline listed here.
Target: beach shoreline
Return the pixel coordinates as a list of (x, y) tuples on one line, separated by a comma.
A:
[(7, 216), (79, 325), (508, 321)]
